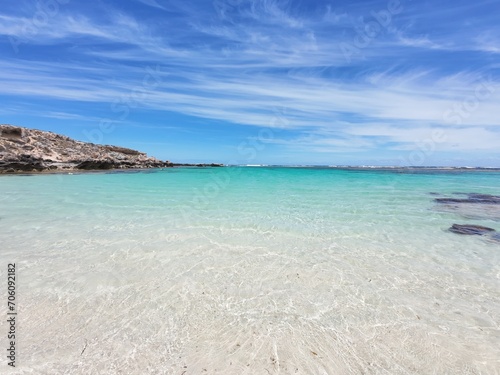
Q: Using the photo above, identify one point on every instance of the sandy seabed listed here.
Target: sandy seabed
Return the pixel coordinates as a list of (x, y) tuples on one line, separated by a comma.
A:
[(204, 304)]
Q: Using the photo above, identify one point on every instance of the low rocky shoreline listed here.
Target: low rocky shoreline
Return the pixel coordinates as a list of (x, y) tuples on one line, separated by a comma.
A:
[(24, 150)]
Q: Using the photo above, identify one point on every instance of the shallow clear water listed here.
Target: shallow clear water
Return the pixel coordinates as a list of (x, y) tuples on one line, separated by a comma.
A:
[(250, 271)]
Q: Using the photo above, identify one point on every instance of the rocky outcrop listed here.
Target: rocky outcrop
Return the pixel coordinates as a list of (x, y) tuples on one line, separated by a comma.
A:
[(197, 165), (472, 198), (30, 150), (470, 229), (495, 237), (470, 205), (489, 234)]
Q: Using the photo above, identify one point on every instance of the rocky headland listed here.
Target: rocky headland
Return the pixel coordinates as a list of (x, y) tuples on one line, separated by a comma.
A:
[(30, 150)]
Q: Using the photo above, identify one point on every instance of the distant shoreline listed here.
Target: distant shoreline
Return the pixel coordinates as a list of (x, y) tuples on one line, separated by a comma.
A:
[(108, 171), (401, 170), (378, 168)]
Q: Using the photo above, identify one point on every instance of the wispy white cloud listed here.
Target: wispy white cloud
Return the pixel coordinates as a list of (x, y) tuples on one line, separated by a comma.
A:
[(152, 3), (120, 28), (238, 67), (489, 41)]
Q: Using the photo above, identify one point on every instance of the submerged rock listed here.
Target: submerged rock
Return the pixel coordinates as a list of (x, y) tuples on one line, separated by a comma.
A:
[(495, 237), (484, 198), (472, 198), (471, 205), (470, 229)]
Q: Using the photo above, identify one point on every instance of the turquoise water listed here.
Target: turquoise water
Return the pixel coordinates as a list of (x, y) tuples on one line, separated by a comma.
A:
[(252, 270)]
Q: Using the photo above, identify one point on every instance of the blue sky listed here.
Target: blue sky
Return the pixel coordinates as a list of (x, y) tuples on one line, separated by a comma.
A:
[(398, 82)]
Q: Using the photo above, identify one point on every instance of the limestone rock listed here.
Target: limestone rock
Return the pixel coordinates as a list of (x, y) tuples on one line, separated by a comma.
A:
[(28, 150)]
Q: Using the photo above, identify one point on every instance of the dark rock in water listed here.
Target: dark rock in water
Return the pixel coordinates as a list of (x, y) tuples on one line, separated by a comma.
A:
[(471, 205), (484, 198), (470, 229), (495, 237), (472, 198), (451, 200)]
